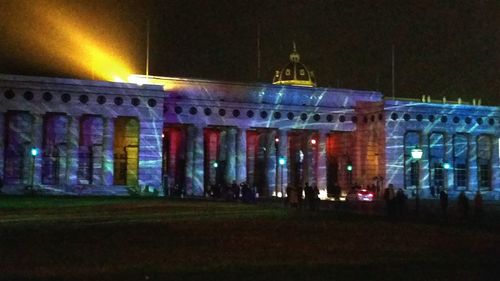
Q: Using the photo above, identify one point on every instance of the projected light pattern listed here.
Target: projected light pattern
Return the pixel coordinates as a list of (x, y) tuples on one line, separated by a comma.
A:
[(455, 135), (189, 136), (108, 135), (296, 115)]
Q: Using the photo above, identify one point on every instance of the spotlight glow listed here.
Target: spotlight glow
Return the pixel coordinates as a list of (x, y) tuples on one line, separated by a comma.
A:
[(68, 40)]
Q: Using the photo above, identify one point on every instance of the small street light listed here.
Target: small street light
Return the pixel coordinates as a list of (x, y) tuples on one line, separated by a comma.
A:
[(349, 167), (416, 154), (281, 162), (277, 153), (34, 153)]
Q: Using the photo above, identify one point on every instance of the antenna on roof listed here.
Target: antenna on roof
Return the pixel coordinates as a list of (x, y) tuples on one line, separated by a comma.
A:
[(147, 49), (393, 86), (258, 51)]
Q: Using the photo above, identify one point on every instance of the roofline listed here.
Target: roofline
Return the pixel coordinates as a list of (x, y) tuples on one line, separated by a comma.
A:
[(77, 82), (256, 84)]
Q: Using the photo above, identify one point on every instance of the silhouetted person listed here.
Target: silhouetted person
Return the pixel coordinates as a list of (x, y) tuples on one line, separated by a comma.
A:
[(294, 197), (401, 201), (288, 193), (246, 193), (236, 191), (389, 199), (316, 196), (1, 185), (309, 192), (463, 205), (433, 191), (312, 196), (210, 191), (300, 193), (443, 201), (478, 206), (336, 195), (216, 190)]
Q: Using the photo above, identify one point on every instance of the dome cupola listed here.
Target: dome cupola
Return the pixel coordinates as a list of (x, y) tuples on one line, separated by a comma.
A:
[(295, 73)]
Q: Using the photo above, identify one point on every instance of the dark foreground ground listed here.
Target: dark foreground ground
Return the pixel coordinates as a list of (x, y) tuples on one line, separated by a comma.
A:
[(157, 239)]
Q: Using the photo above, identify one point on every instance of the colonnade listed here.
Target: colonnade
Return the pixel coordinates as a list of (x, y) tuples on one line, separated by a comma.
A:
[(456, 148), (197, 157), (76, 150)]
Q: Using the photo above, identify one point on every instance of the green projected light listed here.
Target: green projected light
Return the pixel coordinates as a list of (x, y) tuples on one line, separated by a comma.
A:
[(34, 151)]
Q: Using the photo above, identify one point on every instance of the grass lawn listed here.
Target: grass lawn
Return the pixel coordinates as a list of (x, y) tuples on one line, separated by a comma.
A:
[(158, 239)]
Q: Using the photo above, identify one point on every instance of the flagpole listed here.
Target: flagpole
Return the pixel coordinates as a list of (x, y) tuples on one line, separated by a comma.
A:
[(393, 75), (258, 52), (147, 49)]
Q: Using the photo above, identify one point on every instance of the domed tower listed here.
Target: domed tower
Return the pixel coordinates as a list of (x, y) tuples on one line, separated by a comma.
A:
[(295, 73)]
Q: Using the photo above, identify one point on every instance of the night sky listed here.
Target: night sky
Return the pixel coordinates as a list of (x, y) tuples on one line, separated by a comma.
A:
[(442, 48)]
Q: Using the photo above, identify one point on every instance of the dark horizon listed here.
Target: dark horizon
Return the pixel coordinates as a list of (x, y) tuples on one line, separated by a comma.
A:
[(441, 49)]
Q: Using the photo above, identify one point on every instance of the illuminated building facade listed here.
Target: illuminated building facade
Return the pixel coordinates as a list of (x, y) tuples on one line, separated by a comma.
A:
[(88, 133), (197, 133)]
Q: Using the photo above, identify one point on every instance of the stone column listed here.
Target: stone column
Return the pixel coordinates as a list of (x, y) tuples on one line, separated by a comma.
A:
[(271, 162), (97, 168), (283, 169), (230, 155), (394, 151), (241, 155), (424, 165), (222, 151), (2, 143), (449, 177), (306, 164), (252, 143), (322, 161), (108, 151), (190, 168), (495, 164), (472, 164), (198, 161), (269, 154), (72, 150), (150, 147), (37, 141)]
